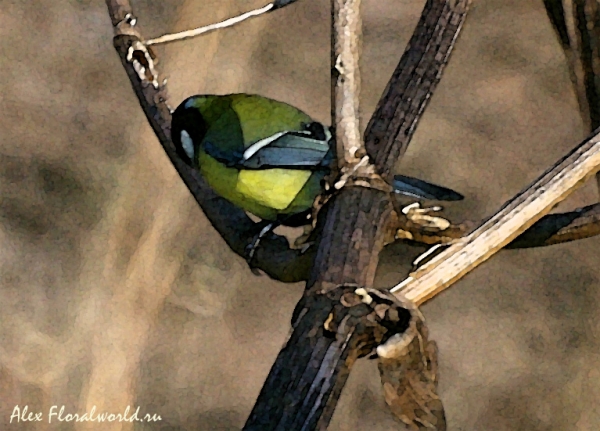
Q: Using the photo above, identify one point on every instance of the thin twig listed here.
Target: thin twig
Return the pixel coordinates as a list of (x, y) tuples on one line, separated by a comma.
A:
[(347, 33), (277, 4), (354, 164), (206, 29)]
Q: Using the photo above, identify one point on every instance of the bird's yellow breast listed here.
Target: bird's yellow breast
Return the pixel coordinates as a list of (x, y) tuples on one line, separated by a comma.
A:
[(274, 188), (261, 192)]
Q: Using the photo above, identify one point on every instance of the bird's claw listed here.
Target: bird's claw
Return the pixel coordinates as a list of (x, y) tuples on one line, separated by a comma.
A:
[(301, 243), (250, 252), (253, 246)]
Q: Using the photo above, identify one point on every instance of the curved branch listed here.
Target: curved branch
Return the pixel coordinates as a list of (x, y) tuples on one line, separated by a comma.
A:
[(274, 257)]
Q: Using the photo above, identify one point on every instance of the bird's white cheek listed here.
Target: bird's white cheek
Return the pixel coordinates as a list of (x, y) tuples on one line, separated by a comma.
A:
[(187, 143)]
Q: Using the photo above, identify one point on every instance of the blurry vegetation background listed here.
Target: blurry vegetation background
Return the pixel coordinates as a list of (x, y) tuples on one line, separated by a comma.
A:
[(116, 291)]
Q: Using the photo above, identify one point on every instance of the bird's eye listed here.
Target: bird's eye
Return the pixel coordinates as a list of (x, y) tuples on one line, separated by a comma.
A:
[(187, 143)]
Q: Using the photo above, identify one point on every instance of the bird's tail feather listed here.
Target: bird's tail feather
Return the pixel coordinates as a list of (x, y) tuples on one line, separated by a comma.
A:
[(421, 189)]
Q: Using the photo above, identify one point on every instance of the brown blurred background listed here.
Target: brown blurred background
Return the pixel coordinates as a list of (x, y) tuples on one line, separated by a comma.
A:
[(116, 291)]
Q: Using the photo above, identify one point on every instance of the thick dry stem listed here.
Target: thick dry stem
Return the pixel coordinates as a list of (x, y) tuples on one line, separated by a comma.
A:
[(514, 218), (396, 116), (319, 357), (354, 227)]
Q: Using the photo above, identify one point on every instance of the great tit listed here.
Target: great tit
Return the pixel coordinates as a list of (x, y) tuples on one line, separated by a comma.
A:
[(265, 156)]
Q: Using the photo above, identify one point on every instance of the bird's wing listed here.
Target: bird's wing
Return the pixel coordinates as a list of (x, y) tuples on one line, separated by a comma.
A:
[(291, 150), (228, 158), (421, 189)]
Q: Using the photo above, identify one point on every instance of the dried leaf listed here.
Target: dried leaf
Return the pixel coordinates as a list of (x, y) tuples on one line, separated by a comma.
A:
[(408, 369)]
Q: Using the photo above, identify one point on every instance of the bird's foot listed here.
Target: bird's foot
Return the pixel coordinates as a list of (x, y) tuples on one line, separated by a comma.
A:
[(253, 246), (421, 217)]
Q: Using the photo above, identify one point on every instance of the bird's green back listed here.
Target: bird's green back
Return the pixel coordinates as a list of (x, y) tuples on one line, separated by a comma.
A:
[(257, 116), (261, 117)]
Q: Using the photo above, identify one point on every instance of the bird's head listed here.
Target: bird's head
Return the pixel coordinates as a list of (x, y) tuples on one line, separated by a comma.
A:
[(188, 128)]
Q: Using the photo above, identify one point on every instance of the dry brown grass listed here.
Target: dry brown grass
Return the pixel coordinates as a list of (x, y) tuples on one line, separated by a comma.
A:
[(115, 290)]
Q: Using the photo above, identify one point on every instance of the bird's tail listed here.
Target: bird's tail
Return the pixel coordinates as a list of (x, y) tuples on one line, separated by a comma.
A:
[(423, 190)]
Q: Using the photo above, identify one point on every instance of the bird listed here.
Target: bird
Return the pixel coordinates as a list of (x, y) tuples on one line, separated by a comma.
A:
[(267, 157)]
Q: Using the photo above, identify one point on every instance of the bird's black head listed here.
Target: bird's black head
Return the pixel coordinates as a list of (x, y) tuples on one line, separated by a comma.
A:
[(188, 128)]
